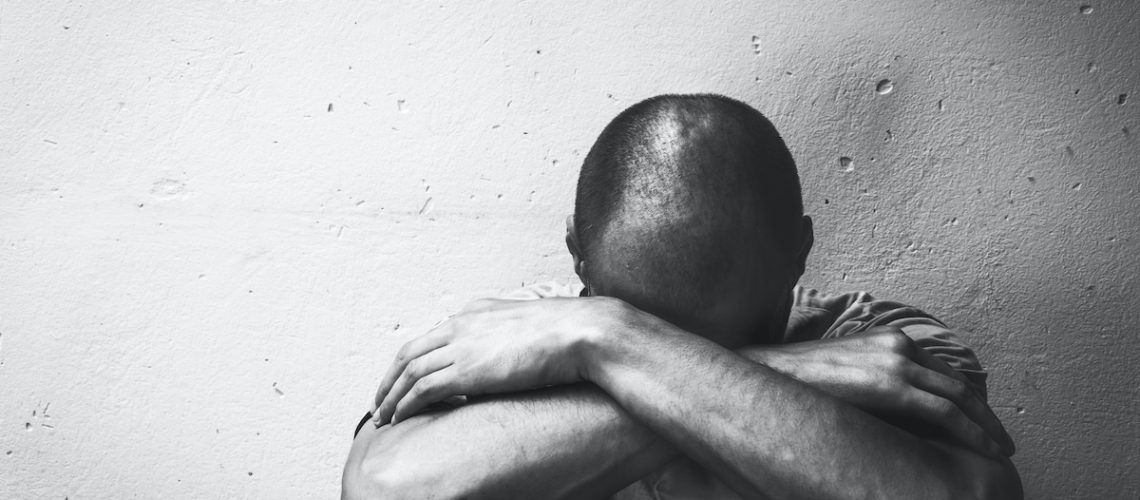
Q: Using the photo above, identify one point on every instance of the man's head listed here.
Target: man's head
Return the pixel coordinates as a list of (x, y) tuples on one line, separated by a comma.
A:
[(689, 208)]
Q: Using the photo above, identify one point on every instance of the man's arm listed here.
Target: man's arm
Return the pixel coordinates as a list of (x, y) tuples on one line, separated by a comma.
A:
[(563, 442), (480, 351), (559, 442), (767, 434)]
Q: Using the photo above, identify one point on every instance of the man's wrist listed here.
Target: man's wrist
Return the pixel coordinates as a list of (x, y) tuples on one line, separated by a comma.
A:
[(605, 317)]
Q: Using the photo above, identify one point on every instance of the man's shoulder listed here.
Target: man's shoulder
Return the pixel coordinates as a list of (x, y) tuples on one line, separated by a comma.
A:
[(544, 289), (816, 315)]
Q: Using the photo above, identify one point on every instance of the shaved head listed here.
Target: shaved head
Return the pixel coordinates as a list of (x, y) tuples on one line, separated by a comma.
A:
[(689, 207)]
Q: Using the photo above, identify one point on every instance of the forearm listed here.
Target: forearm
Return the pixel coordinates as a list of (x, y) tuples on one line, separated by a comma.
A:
[(564, 442), (764, 433)]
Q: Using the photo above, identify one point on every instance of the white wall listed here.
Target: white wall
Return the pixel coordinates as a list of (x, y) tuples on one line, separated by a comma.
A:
[(218, 220)]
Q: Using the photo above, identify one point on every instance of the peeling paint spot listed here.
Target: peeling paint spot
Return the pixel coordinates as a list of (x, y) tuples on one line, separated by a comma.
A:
[(1122, 98), (847, 164), (1077, 186), (1086, 9), (1091, 67), (165, 188), (885, 86), (941, 105)]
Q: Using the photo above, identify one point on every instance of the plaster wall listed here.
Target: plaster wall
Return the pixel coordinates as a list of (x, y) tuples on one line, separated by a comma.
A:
[(219, 220)]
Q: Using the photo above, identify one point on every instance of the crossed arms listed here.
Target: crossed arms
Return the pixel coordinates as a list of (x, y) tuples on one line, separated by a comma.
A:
[(633, 392)]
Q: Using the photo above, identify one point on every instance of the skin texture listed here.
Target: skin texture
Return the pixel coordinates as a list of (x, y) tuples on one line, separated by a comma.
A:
[(663, 397), (763, 432)]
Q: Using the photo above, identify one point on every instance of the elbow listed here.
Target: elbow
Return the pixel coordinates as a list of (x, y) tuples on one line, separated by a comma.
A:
[(375, 470), (373, 477), (1000, 481), (992, 479), (384, 468)]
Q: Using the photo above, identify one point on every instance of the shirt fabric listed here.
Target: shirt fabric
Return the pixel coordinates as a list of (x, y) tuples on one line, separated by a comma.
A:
[(814, 316)]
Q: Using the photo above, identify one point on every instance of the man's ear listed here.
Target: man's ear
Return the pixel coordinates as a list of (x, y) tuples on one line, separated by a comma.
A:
[(575, 248), (803, 246)]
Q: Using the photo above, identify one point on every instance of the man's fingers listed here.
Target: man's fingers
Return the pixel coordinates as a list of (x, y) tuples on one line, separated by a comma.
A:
[(928, 360), (959, 393), (945, 414), (979, 410), (434, 387), (415, 370), (415, 348)]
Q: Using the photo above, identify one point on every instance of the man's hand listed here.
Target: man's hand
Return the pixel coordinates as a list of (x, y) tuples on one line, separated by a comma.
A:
[(492, 346), (496, 346), (658, 377), (882, 372)]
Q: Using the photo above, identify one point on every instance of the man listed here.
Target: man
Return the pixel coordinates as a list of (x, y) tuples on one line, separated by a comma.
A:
[(692, 366)]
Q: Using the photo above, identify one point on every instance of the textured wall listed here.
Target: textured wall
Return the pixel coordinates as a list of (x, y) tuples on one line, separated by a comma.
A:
[(219, 220)]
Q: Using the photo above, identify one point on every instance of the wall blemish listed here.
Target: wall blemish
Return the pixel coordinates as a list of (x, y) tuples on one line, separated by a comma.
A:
[(885, 86)]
